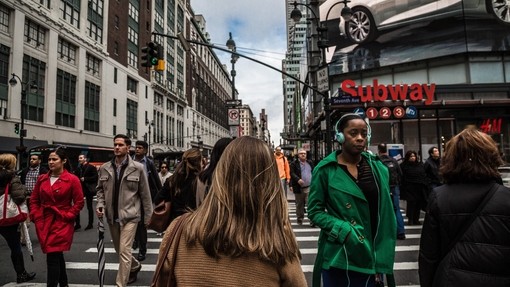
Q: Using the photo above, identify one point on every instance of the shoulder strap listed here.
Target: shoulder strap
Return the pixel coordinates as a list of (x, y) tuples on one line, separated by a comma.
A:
[(474, 215), (173, 240)]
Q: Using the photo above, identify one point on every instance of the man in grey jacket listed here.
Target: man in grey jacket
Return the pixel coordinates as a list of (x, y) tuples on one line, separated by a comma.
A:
[(122, 193)]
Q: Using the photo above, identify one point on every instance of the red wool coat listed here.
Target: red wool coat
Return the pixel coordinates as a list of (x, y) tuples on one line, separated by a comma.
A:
[(53, 209)]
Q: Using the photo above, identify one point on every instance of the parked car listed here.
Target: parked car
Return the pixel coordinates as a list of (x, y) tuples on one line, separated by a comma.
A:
[(505, 175), (370, 17)]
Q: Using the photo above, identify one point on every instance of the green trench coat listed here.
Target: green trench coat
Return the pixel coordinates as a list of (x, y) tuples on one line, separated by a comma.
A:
[(338, 206)]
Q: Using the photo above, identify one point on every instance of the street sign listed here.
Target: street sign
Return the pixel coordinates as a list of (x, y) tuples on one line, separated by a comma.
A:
[(234, 131), (233, 117), (372, 113), (360, 112), (385, 113), (399, 112), (233, 103), (411, 112), (323, 79)]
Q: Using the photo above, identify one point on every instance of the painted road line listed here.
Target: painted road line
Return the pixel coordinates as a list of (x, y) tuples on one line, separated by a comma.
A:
[(396, 266)]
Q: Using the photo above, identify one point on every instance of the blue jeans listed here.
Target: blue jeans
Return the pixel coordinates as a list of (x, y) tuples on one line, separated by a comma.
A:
[(396, 206)]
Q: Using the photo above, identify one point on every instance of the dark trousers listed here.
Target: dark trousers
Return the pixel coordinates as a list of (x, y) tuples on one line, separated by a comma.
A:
[(141, 236), (12, 236), (88, 200), (413, 212), (57, 273), (335, 277)]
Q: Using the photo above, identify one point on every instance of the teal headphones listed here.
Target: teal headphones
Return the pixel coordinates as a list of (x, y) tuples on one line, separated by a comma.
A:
[(339, 135)]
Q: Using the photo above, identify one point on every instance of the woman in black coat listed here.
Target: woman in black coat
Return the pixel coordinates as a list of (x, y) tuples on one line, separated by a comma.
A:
[(414, 188), (456, 250)]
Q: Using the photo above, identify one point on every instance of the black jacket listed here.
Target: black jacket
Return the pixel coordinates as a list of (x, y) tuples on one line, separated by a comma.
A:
[(89, 174), (431, 167), (295, 174), (482, 255)]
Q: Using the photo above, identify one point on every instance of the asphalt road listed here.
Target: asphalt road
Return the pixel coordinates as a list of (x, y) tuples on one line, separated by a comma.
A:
[(82, 258)]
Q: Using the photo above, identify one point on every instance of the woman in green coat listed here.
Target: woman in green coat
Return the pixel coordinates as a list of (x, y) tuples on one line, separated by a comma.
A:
[(350, 201)]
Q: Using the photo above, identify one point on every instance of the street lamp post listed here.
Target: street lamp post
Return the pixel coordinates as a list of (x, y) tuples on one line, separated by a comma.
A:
[(22, 132), (321, 41), (149, 124), (231, 45)]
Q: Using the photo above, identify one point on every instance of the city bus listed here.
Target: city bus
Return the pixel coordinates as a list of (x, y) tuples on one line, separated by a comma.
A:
[(96, 155)]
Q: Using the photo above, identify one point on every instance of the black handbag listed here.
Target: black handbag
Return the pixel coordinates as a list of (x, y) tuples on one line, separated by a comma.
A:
[(160, 218)]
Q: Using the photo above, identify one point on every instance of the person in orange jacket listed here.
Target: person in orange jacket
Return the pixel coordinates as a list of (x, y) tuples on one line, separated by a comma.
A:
[(283, 168)]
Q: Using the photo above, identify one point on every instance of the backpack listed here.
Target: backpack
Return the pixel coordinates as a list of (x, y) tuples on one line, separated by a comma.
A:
[(393, 169)]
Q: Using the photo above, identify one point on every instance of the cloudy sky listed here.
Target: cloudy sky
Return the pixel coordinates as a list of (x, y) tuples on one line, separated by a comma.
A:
[(258, 28)]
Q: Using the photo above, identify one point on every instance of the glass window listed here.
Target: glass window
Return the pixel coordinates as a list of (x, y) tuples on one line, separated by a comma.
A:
[(131, 118), (70, 12), (66, 51), (92, 93), (4, 19), (132, 85), (34, 71), (65, 110), (34, 35), (93, 65)]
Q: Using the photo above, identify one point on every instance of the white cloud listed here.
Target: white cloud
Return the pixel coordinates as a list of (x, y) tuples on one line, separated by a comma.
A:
[(260, 27)]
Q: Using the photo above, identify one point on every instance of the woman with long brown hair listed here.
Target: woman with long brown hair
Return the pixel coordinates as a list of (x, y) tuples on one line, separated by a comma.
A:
[(241, 230), (180, 187)]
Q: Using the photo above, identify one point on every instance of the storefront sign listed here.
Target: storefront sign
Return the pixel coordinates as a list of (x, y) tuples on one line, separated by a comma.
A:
[(491, 126), (380, 93)]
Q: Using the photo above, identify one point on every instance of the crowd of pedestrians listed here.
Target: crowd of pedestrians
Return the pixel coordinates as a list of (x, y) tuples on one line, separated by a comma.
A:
[(231, 210)]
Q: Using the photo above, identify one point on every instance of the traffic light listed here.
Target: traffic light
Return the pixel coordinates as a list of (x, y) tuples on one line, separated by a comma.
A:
[(160, 65), (150, 55), (16, 128)]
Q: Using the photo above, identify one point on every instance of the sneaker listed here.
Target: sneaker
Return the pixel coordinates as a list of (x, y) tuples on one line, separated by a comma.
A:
[(300, 221), (401, 236)]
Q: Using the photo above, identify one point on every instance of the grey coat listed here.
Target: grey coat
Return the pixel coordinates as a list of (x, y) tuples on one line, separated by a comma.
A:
[(134, 193)]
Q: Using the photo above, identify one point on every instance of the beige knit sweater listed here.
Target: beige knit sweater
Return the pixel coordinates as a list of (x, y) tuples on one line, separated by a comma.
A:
[(194, 268)]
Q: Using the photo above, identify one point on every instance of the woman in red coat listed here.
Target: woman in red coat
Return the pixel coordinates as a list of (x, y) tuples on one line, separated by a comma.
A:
[(56, 200)]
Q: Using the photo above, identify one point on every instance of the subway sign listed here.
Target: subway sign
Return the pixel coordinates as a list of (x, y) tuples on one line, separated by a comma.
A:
[(379, 93)]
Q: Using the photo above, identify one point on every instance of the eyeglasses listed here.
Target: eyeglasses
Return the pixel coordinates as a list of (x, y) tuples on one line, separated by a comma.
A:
[(163, 167), (302, 153)]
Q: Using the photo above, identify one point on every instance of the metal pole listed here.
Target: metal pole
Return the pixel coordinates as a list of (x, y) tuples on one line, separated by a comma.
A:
[(233, 74), (149, 149), (22, 126)]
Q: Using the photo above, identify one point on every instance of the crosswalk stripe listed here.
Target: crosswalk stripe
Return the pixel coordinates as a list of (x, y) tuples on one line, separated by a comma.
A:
[(396, 266), (397, 249), (303, 250), (108, 266)]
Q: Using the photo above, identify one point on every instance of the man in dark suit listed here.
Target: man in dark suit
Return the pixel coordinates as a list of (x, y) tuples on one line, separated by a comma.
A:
[(141, 149), (300, 178), (87, 174)]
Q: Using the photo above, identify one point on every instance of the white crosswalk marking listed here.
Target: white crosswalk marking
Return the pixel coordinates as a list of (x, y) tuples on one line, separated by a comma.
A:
[(406, 265)]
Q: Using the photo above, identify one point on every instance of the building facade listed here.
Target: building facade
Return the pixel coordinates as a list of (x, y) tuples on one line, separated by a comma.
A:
[(84, 59), (422, 81)]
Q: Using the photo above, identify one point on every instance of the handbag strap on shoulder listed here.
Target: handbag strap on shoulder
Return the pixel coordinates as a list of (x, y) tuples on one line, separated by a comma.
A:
[(474, 215), (173, 240)]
